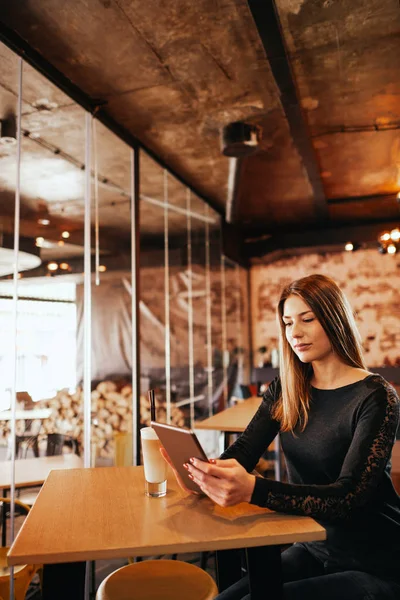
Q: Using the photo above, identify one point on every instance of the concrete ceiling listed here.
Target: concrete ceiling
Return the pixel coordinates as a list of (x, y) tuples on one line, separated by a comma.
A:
[(322, 82)]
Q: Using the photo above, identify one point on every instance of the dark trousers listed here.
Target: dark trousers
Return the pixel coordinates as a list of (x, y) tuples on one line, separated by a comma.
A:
[(306, 578)]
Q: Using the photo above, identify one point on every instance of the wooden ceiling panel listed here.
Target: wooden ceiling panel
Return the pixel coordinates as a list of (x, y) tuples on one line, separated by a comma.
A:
[(335, 82), (92, 40), (38, 93), (63, 128), (203, 42), (174, 74), (345, 59), (266, 201), (359, 164), (43, 176), (173, 81)]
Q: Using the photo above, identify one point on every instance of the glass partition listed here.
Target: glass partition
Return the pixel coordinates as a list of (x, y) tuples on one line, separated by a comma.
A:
[(73, 334), (52, 189), (111, 300), (154, 280), (41, 403)]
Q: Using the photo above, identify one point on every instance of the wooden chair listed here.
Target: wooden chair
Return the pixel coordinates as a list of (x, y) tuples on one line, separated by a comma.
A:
[(25, 442), (55, 447), (158, 580), (22, 574)]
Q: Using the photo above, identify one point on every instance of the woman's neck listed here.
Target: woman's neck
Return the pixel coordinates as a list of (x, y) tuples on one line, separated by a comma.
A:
[(331, 373)]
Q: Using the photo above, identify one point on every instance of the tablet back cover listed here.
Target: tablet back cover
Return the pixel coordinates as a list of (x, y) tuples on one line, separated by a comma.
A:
[(181, 445)]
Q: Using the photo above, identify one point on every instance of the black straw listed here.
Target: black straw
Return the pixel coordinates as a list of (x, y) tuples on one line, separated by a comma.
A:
[(151, 394)]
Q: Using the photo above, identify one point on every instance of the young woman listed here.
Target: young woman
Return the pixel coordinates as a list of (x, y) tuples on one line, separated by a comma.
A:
[(337, 424)]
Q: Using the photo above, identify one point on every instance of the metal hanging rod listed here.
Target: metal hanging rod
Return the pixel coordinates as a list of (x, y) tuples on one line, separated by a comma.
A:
[(357, 129)]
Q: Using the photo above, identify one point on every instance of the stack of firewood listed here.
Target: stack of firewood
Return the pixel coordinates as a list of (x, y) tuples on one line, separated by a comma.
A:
[(111, 412)]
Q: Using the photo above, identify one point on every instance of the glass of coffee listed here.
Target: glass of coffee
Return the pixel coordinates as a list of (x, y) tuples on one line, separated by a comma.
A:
[(155, 467)]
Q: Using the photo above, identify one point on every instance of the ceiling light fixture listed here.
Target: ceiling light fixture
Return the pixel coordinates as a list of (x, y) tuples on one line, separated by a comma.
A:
[(389, 241), (349, 247), (240, 139), (42, 214), (39, 242), (65, 234), (45, 104), (8, 131), (102, 268), (52, 266)]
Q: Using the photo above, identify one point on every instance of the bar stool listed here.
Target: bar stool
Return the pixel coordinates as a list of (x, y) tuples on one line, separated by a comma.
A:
[(158, 580)]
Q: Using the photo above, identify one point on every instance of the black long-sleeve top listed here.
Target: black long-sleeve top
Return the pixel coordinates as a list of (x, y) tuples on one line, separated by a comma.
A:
[(338, 470)]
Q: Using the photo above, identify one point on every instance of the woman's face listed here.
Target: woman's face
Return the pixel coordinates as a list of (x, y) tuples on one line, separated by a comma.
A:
[(304, 332)]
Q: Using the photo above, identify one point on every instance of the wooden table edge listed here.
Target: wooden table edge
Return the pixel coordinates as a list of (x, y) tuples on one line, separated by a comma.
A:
[(31, 483), (187, 547), (233, 429), (41, 481)]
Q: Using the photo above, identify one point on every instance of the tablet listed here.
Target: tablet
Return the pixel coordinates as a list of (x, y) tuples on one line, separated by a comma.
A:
[(181, 444)]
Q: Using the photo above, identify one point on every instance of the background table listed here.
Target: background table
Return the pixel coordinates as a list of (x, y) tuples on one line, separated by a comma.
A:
[(30, 472), (235, 420), (90, 514), (33, 471), (31, 415)]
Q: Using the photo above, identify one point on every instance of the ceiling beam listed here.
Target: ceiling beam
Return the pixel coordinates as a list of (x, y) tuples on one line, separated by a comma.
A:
[(356, 199), (328, 236), (269, 29)]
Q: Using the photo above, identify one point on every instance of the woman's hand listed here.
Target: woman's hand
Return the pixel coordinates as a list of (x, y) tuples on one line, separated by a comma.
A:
[(167, 459), (226, 482)]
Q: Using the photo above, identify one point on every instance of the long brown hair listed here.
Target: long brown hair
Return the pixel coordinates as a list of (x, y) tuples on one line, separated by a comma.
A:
[(333, 311)]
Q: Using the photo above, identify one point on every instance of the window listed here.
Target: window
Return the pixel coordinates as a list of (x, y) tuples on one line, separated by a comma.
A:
[(46, 343)]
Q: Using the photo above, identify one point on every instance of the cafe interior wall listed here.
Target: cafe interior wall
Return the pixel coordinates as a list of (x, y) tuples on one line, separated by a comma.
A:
[(369, 279)]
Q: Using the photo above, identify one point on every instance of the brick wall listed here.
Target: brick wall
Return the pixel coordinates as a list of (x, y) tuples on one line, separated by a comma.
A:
[(370, 280)]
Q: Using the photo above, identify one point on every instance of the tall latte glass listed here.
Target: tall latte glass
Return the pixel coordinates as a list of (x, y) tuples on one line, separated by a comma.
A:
[(155, 467)]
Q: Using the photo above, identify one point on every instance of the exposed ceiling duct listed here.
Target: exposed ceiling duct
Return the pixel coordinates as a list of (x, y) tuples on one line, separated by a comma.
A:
[(240, 139)]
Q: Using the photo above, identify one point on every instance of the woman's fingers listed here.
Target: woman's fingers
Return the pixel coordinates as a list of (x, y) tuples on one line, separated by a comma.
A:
[(226, 484), (220, 480), (210, 468), (167, 459)]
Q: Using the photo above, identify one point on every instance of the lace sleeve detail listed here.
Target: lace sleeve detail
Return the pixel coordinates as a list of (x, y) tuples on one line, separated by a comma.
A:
[(361, 471), (260, 432)]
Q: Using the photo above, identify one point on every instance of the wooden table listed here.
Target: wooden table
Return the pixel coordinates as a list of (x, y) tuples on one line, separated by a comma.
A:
[(89, 514), (36, 413), (33, 471), (235, 420), (30, 472)]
